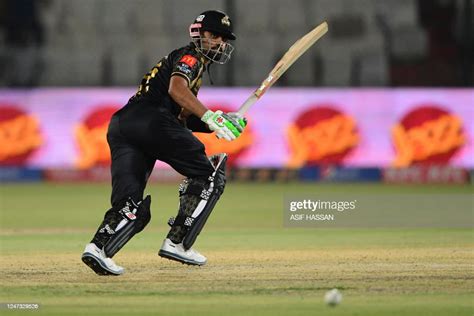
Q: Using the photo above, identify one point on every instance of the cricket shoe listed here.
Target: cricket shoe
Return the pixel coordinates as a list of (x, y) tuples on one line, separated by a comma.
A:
[(95, 259), (176, 252)]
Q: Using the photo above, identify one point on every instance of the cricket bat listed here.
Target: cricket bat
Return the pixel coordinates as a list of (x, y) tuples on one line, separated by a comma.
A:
[(295, 52)]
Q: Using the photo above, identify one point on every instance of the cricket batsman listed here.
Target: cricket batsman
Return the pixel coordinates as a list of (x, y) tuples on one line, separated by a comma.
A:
[(157, 124)]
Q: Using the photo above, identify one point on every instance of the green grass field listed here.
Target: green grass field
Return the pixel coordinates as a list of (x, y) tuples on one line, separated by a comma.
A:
[(255, 265)]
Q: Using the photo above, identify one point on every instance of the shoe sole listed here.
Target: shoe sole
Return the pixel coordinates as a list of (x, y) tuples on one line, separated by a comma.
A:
[(174, 257), (95, 264)]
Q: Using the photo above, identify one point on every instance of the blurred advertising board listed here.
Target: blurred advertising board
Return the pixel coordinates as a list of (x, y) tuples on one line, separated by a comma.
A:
[(288, 128), (426, 174)]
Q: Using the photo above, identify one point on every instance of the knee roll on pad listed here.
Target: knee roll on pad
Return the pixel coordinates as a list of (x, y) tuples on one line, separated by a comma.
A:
[(197, 200), (125, 223)]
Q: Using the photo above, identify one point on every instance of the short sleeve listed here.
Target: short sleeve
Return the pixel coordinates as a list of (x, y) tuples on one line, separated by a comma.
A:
[(187, 66)]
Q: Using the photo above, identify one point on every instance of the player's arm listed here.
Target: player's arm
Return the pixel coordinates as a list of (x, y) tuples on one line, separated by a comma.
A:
[(195, 124), (186, 70), (225, 126), (182, 95)]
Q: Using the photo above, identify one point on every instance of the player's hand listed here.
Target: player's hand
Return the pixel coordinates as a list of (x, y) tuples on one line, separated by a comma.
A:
[(225, 126), (239, 118)]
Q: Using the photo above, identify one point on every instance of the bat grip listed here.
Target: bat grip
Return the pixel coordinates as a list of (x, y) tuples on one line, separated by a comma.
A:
[(247, 104)]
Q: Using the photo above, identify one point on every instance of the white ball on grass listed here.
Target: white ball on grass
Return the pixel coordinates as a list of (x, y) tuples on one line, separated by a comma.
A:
[(333, 297)]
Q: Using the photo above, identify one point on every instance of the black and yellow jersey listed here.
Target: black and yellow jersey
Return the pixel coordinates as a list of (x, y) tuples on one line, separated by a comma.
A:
[(186, 62)]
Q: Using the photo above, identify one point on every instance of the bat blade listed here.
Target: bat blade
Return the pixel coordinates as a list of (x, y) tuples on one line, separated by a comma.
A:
[(292, 55)]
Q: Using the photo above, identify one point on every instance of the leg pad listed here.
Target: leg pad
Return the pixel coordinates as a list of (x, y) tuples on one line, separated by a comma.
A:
[(197, 200), (119, 226)]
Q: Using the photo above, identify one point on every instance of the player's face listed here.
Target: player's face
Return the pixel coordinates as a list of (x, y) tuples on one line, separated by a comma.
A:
[(215, 47), (214, 40)]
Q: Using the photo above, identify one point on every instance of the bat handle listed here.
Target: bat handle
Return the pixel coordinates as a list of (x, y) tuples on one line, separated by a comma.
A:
[(247, 104)]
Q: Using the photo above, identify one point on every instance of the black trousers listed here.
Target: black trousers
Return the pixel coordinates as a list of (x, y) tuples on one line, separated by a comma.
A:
[(141, 133)]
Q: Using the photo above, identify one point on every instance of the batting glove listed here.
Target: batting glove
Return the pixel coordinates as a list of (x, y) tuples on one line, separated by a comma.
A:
[(239, 118), (223, 124)]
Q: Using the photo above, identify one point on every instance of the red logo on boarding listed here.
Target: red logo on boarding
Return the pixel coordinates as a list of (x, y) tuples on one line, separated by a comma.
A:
[(20, 135), (321, 135), (91, 137), (188, 60), (428, 134)]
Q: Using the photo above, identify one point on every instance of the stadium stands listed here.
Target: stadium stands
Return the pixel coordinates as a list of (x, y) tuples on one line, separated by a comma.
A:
[(113, 42)]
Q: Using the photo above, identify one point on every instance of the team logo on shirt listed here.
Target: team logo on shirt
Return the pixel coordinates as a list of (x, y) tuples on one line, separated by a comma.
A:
[(184, 69), (188, 60)]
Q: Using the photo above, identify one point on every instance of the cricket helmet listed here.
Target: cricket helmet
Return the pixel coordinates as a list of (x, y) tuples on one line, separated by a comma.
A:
[(218, 23), (213, 21)]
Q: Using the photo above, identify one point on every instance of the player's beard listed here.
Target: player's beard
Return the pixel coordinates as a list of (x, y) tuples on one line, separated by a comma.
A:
[(220, 53)]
